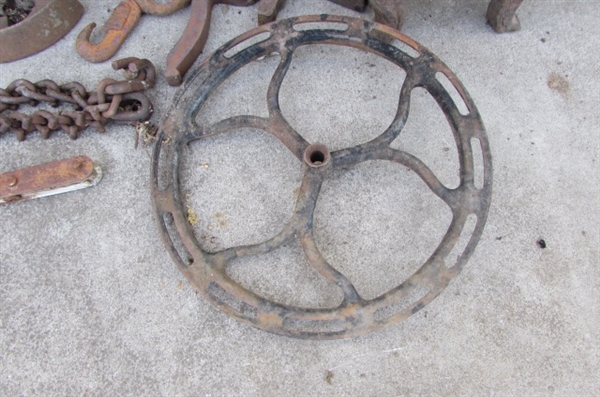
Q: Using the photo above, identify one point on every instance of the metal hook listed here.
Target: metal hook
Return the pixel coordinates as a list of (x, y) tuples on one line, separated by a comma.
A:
[(114, 32)]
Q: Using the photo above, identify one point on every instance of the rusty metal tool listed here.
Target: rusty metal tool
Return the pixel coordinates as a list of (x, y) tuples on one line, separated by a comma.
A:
[(48, 179), (355, 315), (119, 25), (192, 41), (48, 21)]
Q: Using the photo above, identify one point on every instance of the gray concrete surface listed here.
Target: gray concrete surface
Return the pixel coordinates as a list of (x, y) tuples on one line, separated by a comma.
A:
[(91, 304)]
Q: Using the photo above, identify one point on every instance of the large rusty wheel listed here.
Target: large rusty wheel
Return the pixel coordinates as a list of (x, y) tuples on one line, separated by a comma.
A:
[(355, 315)]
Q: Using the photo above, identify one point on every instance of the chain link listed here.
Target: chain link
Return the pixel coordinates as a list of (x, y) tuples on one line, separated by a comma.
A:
[(122, 101)]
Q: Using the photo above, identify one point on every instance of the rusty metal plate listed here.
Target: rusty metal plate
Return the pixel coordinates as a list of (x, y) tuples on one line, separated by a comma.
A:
[(48, 179), (47, 23), (355, 315)]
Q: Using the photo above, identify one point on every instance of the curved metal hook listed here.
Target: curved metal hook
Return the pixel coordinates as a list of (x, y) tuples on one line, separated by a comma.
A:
[(114, 32), (150, 7)]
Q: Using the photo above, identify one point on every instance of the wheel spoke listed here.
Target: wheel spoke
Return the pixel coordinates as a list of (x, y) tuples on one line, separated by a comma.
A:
[(229, 124), (401, 116), (318, 262), (283, 237), (305, 207), (279, 126), (365, 152), (423, 171)]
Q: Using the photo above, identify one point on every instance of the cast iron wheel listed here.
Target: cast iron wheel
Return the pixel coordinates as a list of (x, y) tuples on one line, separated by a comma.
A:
[(355, 315)]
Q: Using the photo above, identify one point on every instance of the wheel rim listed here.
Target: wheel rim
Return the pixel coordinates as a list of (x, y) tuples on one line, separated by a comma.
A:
[(355, 315)]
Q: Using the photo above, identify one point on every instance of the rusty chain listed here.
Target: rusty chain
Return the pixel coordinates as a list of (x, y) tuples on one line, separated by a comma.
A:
[(121, 101)]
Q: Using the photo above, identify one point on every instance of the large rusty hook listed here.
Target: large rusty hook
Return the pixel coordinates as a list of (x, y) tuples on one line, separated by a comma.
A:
[(114, 32)]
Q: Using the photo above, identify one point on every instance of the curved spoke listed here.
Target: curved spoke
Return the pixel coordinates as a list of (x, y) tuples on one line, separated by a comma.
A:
[(318, 262), (279, 126), (361, 153), (423, 171), (305, 207), (402, 112), (226, 256), (229, 124)]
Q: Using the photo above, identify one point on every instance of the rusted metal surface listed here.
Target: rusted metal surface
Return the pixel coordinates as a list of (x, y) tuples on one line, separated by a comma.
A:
[(267, 10), (112, 34), (48, 179), (388, 12), (354, 316), (119, 25), (194, 37), (48, 21), (161, 9), (501, 15), (356, 5), (122, 101)]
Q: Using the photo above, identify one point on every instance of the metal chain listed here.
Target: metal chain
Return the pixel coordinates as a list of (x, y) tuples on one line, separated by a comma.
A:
[(121, 101)]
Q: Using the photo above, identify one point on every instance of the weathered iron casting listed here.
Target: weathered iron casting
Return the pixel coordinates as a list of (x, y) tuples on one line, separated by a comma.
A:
[(355, 315), (48, 21)]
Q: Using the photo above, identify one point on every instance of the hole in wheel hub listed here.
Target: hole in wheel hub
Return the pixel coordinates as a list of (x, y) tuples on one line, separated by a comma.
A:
[(316, 155)]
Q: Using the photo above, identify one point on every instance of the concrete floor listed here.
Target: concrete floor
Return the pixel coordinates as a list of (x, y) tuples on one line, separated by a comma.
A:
[(91, 303)]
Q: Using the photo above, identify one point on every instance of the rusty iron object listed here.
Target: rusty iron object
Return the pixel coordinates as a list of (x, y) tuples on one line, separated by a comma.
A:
[(207, 272), (268, 9), (388, 12), (356, 5), (48, 22), (121, 101), (119, 25), (501, 15), (194, 37), (48, 179)]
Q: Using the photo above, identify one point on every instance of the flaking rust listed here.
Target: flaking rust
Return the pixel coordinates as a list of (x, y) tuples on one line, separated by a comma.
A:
[(354, 316)]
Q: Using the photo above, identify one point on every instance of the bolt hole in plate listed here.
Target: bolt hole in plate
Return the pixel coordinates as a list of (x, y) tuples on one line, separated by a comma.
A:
[(210, 271)]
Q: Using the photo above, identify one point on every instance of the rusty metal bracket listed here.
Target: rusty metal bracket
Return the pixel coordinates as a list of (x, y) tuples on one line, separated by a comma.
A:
[(192, 41), (48, 179), (48, 21), (355, 316)]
